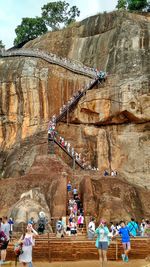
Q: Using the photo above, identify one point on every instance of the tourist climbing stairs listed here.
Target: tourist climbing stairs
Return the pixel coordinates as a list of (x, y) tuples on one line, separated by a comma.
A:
[(65, 150), (70, 107)]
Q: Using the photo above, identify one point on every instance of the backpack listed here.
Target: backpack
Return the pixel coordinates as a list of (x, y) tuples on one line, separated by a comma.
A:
[(3, 238)]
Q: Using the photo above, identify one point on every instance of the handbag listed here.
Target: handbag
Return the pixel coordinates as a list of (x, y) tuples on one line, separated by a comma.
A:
[(18, 249)]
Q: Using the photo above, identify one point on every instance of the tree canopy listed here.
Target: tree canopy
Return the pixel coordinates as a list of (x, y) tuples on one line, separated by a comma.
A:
[(54, 14), (29, 29), (132, 5), (57, 14), (121, 4), (137, 4)]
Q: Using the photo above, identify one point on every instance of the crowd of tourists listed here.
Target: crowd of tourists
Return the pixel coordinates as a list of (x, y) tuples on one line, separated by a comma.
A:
[(53, 134), (75, 221), (105, 233)]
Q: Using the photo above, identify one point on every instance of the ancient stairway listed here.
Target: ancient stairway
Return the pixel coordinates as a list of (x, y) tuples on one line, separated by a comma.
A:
[(74, 103), (48, 248), (65, 63), (69, 108)]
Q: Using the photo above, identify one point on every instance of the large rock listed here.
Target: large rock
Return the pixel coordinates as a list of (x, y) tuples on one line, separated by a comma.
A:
[(31, 203), (45, 188), (31, 92), (117, 42), (114, 199), (110, 125)]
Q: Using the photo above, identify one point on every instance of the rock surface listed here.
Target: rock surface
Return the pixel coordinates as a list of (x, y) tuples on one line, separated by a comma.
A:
[(46, 184), (110, 125)]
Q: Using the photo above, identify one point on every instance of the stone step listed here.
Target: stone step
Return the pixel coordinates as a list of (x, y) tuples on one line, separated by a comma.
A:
[(6, 264), (73, 249)]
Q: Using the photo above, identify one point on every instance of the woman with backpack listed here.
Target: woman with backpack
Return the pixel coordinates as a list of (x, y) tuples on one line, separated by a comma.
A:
[(28, 241)]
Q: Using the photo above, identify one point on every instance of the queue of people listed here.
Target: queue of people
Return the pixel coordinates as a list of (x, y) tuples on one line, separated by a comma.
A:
[(52, 133)]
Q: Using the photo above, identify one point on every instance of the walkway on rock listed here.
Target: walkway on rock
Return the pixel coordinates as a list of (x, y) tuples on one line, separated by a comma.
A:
[(53, 59)]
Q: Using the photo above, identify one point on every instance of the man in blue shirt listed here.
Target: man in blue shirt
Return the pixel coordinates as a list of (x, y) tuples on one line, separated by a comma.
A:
[(125, 237)]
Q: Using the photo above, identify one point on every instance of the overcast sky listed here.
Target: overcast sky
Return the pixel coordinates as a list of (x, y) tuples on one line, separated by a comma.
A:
[(12, 12)]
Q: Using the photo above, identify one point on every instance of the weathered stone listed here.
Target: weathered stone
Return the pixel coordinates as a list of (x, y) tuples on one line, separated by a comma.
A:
[(29, 205), (117, 42), (46, 184), (109, 127)]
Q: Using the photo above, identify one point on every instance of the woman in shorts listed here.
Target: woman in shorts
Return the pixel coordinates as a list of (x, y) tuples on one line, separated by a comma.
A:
[(73, 227), (102, 242)]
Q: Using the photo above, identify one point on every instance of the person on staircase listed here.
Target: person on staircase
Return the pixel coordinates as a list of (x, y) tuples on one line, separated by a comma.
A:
[(60, 228), (73, 227), (91, 229), (69, 189), (75, 209), (68, 147), (78, 201), (75, 192), (80, 222)]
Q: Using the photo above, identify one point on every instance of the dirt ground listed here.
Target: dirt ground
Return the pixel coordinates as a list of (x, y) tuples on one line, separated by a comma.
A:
[(131, 263)]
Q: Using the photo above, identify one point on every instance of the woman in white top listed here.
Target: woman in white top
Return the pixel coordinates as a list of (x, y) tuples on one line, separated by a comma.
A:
[(27, 241), (91, 229)]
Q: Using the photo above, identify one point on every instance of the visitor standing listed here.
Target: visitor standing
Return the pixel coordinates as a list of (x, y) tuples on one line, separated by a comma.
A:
[(133, 227), (28, 241), (5, 228), (102, 242), (11, 223), (91, 229), (125, 236)]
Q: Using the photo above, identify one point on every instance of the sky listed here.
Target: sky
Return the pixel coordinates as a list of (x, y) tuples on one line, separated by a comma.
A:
[(12, 12)]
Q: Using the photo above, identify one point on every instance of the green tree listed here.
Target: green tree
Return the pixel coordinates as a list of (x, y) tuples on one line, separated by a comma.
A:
[(57, 14), (30, 28), (1, 45), (137, 4), (121, 4)]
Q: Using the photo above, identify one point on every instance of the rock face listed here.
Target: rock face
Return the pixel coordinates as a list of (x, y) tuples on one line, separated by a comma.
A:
[(108, 197), (31, 203), (109, 127), (40, 189), (117, 42), (44, 188)]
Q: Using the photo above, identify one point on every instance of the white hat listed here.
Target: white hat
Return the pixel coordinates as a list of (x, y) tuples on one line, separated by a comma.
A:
[(42, 214)]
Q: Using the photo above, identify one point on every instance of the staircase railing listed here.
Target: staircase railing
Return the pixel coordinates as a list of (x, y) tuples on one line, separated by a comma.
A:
[(53, 139), (53, 59), (76, 100)]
